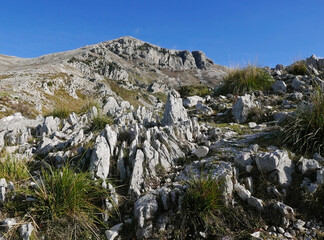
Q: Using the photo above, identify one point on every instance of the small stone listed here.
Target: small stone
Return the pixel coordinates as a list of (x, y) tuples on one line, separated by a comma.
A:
[(252, 125), (201, 151), (281, 230)]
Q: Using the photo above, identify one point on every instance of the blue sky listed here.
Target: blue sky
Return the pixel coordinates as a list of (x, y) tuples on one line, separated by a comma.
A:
[(229, 32)]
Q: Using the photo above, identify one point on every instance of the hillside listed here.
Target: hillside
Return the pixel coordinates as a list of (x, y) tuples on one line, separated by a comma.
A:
[(127, 140)]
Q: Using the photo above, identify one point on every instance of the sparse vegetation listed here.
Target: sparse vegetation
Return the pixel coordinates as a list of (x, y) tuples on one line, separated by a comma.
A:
[(298, 68), (304, 131), (199, 90), (245, 80)]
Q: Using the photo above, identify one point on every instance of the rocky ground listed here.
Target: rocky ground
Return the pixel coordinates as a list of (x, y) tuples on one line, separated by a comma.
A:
[(154, 145)]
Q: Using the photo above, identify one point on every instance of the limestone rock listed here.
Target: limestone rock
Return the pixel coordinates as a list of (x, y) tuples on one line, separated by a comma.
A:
[(308, 165), (174, 111), (26, 231), (277, 161), (100, 158), (279, 87), (201, 151), (192, 101), (242, 106)]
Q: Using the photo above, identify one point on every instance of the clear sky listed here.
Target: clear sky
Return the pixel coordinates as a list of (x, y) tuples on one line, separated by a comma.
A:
[(229, 32)]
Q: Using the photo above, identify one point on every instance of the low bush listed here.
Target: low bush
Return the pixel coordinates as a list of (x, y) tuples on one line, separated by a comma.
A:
[(196, 90), (298, 68), (245, 80), (304, 131)]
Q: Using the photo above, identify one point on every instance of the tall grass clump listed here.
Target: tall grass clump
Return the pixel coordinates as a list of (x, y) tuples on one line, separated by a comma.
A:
[(304, 131), (201, 204), (298, 68), (245, 80), (64, 195)]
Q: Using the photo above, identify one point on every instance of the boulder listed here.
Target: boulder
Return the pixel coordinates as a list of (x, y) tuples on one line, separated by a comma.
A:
[(277, 162), (308, 165), (279, 87), (192, 101), (297, 83), (242, 107), (145, 209), (201, 151), (110, 106), (174, 111), (203, 109), (243, 159)]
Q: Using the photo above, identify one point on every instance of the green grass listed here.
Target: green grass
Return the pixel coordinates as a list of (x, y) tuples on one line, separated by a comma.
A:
[(13, 169), (304, 132), (298, 68), (88, 105), (200, 205), (245, 80), (99, 122), (195, 90)]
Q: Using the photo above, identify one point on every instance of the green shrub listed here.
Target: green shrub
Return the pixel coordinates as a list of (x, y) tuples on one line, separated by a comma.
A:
[(244, 80), (99, 122), (60, 112), (200, 205), (298, 68), (199, 90), (14, 170), (304, 131)]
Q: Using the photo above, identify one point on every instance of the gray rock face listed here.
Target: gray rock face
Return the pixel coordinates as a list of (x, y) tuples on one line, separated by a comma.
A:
[(243, 159), (137, 181), (131, 48), (145, 209), (243, 193), (279, 87), (174, 111), (100, 158), (242, 106), (277, 161), (49, 126), (202, 61)]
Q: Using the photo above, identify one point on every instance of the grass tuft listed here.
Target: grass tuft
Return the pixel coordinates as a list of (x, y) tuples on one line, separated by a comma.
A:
[(244, 80), (200, 205), (304, 132), (99, 122), (65, 194)]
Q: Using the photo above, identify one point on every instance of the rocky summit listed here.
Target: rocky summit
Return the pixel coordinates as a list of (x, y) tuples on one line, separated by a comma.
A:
[(128, 140)]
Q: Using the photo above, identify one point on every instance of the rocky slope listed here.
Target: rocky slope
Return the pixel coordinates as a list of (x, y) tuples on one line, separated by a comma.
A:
[(35, 84), (149, 151)]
